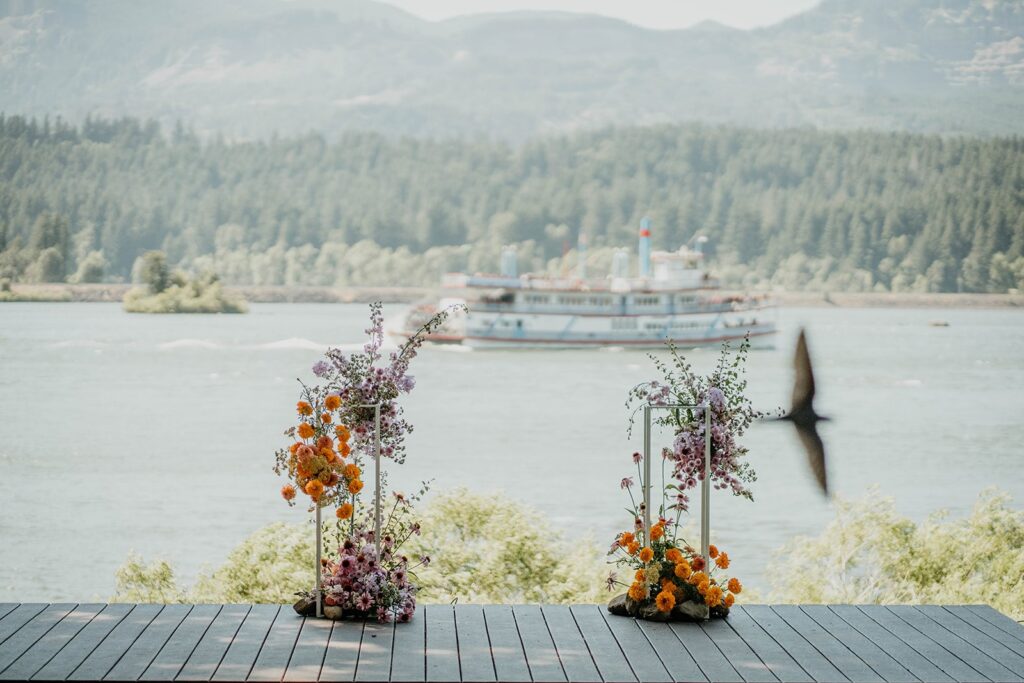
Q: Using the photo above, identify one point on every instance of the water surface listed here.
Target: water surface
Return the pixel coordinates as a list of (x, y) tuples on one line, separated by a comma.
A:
[(155, 434)]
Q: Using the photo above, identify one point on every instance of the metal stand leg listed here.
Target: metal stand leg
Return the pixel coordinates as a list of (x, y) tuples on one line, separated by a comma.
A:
[(319, 546)]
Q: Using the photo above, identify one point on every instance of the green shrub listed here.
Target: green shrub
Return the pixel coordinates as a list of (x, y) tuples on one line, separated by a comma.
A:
[(871, 554)]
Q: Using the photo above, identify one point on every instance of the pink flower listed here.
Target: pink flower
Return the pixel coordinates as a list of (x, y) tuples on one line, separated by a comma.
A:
[(626, 483)]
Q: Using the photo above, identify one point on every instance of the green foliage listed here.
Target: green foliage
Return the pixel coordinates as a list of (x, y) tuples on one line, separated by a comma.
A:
[(90, 268), (871, 554), (152, 271), (491, 549), (836, 211), (167, 292), (484, 549)]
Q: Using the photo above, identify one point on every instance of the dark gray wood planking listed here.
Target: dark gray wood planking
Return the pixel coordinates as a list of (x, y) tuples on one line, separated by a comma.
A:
[(524, 643)]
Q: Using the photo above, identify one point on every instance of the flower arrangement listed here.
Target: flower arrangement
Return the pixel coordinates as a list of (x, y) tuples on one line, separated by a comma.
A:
[(364, 583), (669, 578), (337, 428)]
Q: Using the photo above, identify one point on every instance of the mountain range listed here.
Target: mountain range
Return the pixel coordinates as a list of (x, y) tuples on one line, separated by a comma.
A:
[(249, 68)]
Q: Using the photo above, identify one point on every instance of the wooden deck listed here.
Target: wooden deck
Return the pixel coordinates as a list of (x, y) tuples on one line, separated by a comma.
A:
[(757, 644)]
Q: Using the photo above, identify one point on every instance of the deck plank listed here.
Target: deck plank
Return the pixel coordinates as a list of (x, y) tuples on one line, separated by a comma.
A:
[(309, 652), (182, 643), (506, 647), (342, 651), (673, 654), (67, 659), (117, 642), (868, 652), (409, 663), (918, 665), (714, 665), (245, 647), (277, 647), (18, 617), (743, 659), (852, 666), (442, 646), (986, 627), (979, 639), (475, 661), (206, 657), (144, 650), (375, 652), (642, 657), (19, 642), (518, 644), (608, 657), (935, 653), (570, 646), (541, 655), (975, 658), (999, 620), (795, 645), (44, 649), (771, 653)]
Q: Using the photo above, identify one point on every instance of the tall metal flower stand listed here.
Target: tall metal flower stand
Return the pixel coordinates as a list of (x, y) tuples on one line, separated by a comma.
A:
[(705, 485), (376, 509)]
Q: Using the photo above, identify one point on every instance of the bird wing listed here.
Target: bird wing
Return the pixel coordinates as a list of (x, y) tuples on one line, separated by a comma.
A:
[(803, 382), (815, 454)]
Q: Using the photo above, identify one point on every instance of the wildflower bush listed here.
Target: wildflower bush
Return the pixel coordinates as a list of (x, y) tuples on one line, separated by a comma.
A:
[(871, 554), (487, 549)]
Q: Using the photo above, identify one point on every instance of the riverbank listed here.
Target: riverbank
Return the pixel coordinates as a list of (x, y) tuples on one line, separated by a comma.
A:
[(336, 295)]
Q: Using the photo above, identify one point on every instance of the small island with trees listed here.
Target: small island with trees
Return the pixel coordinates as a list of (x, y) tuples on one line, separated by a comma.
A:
[(165, 291)]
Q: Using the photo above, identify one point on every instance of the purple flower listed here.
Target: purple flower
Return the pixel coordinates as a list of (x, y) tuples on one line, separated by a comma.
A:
[(364, 602), (626, 483), (321, 368)]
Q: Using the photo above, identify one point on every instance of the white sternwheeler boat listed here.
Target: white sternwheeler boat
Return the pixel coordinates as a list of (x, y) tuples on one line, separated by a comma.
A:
[(671, 298)]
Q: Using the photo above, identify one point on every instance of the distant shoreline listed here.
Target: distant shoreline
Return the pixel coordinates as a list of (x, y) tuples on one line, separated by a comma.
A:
[(335, 295)]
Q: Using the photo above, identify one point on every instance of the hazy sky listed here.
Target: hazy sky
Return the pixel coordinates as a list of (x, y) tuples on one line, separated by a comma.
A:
[(661, 14)]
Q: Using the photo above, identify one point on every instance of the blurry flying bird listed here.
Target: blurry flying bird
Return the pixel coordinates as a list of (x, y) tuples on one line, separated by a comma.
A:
[(802, 414)]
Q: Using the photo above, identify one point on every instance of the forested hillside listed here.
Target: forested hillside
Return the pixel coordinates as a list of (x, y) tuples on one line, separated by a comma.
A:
[(795, 208)]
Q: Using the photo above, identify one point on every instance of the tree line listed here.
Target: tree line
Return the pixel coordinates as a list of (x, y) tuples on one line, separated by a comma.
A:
[(801, 209)]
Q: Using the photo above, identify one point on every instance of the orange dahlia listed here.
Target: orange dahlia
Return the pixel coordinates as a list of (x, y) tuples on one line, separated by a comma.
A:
[(288, 492), (306, 430), (697, 577), (722, 560), (344, 512), (625, 538), (355, 486), (735, 586), (341, 431), (683, 570), (665, 601), (332, 402), (657, 531), (637, 591), (633, 548), (314, 489), (713, 596), (712, 551), (729, 599), (326, 418), (351, 471), (304, 408), (646, 555), (673, 555), (697, 563)]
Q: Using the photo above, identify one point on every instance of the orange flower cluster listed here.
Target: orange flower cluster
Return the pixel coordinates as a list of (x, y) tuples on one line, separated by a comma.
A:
[(670, 575), (316, 461)]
